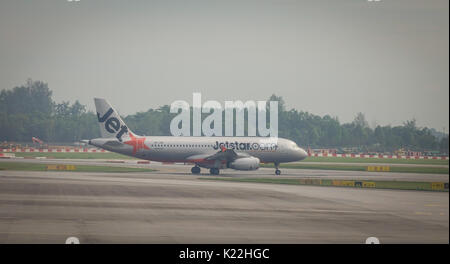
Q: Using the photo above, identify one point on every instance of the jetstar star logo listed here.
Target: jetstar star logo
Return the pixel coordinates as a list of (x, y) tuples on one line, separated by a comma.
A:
[(136, 143)]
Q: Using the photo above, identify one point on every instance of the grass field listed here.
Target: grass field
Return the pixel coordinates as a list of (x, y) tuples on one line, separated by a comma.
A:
[(74, 155), (398, 185), (378, 160), (78, 168), (111, 155), (356, 167)]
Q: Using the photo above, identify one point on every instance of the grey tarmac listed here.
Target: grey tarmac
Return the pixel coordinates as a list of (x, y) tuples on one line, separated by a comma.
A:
[(173, 206)]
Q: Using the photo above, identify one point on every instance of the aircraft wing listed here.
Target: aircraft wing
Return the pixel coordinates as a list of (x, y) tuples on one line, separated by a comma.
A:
[(227, 154), (222, 155)]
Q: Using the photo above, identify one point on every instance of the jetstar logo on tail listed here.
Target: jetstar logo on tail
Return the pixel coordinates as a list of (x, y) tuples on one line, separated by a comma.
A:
[(136, 143), (112, 124)]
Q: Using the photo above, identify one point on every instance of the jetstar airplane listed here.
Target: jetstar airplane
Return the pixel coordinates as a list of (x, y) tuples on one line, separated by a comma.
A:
[(214, 153)]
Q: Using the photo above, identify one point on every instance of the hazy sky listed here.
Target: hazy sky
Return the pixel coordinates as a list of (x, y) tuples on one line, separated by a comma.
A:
[(387, 59)]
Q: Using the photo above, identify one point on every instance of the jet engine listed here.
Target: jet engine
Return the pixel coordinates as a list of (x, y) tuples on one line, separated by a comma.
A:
[(247, 163)]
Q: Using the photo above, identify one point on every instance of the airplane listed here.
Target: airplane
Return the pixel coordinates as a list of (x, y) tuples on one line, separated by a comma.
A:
[(213, 153)]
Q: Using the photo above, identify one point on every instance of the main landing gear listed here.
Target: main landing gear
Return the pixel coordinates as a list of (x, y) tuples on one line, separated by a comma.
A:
[(195, 170), (277, 170), (214, 171)]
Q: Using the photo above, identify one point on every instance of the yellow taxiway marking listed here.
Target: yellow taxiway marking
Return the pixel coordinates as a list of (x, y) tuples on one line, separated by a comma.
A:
[(422, 213)]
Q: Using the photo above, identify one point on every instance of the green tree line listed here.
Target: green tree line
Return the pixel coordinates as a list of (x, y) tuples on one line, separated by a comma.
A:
[(29, 110)]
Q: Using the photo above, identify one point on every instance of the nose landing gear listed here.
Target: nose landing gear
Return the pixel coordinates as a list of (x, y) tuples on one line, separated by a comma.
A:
[(277, 170)]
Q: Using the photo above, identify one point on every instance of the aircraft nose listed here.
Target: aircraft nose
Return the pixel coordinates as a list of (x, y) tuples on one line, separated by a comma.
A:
[(302, 153)]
